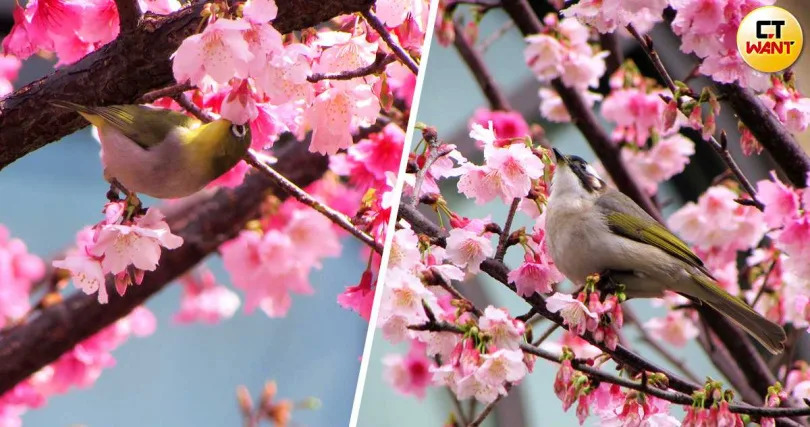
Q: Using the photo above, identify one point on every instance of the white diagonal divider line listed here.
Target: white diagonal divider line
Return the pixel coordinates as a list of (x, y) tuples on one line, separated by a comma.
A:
[(389, 235)]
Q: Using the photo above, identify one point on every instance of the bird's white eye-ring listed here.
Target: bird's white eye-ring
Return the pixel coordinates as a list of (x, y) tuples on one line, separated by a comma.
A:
[(591, 171), (238, 130)]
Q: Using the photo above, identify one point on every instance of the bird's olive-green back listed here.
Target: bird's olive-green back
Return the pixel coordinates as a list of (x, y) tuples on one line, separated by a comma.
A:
[(145, 126), (627, 219)]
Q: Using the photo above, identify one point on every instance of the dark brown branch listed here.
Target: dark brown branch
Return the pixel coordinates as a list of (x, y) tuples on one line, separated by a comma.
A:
[(598, 374), (475, 62), (379, 27), (123, 71), (375, 67), (129, 13), (188, 105), (769, 131), (630, 317), (500, 252), (485, 412), (204, 222), (584, 118)]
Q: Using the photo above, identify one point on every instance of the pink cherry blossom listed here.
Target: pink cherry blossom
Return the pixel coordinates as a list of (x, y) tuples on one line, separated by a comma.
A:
[(393, 12), (506, 332), (468, 249), (538, 272), (87, 275), (544, 56), (100, 23), (506, 124), (474, 386), (19, 41), (553, 109), (781, 202), (667, 158), (260, 11), (675, 328), (401, 304), (284, 78), (571, 59), (18, 271), (367, 161), (359, 298), (502, 366), (137, 244), (608, 15), (239, 106), (160, 7), (203, 300), (410, 374), (217, 54), (9, 68), (574, 313), (636, 112), (333, 114)]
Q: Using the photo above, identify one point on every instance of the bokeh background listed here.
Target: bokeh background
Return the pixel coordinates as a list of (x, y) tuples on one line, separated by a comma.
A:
[(182, 375), (449, 97)]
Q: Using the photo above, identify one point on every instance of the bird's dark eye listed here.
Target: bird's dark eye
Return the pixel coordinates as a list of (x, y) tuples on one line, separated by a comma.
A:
[(238, 130)]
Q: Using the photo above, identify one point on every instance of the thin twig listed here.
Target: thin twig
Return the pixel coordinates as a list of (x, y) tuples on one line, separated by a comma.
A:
[(433, 153), (485, 44), (302, 196), (721, 148), (192, 108), (546, 334), (457, 295), (379, 64), (631, 317), (378, 26), (129, 13), (485, 413), (169, 91), (475, 62), (501, 250), (764, 284)]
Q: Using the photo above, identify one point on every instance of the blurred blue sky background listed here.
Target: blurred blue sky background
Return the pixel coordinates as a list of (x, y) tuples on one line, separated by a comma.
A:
[(184, 375)]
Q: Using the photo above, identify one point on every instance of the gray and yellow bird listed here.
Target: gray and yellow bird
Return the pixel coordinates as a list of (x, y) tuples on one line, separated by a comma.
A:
[(163, 153), (592, 228)]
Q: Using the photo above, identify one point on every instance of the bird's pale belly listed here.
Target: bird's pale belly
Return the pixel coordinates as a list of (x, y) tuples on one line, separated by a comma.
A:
[(160, 171)]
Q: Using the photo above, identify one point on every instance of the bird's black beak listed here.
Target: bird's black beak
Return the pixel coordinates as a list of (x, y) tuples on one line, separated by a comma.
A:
[(559, 157)]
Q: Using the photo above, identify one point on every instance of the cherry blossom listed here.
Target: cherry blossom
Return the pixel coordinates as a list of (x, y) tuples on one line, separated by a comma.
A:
[(468, 249), (217, 54), (410, 374), (204, 300), (675, 328), (505, 332), (9, 68), (18, 271), (608, 15), (337, 110), (573, 311)]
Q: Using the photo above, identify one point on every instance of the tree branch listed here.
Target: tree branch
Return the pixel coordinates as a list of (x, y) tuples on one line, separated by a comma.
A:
[(598, 374), (123, 71), (129, 13), (204, 221), (375, 67), (475, 62), (584, 118), (769, 131), (379, 27)]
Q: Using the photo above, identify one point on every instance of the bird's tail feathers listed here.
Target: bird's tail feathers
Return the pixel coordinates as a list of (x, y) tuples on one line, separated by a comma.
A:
[(769, 334)]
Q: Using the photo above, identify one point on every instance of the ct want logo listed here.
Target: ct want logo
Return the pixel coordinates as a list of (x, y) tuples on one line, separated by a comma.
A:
[(769, 39)]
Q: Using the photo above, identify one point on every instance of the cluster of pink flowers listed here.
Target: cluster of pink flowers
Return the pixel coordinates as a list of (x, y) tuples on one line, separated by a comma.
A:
[(9, 68), (562, 52), (480, 365), (80, 367), (708, 28), (586, 313), (204, 300), (789, 105), (609, 15), (652, 148), (119, 245), (18, 272)]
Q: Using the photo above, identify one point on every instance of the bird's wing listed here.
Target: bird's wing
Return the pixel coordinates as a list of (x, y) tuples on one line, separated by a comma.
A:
[(146, 126), (626, 218)]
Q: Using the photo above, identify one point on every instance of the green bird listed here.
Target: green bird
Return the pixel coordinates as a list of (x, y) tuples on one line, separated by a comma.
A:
[(592, 228), (160, 152)]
